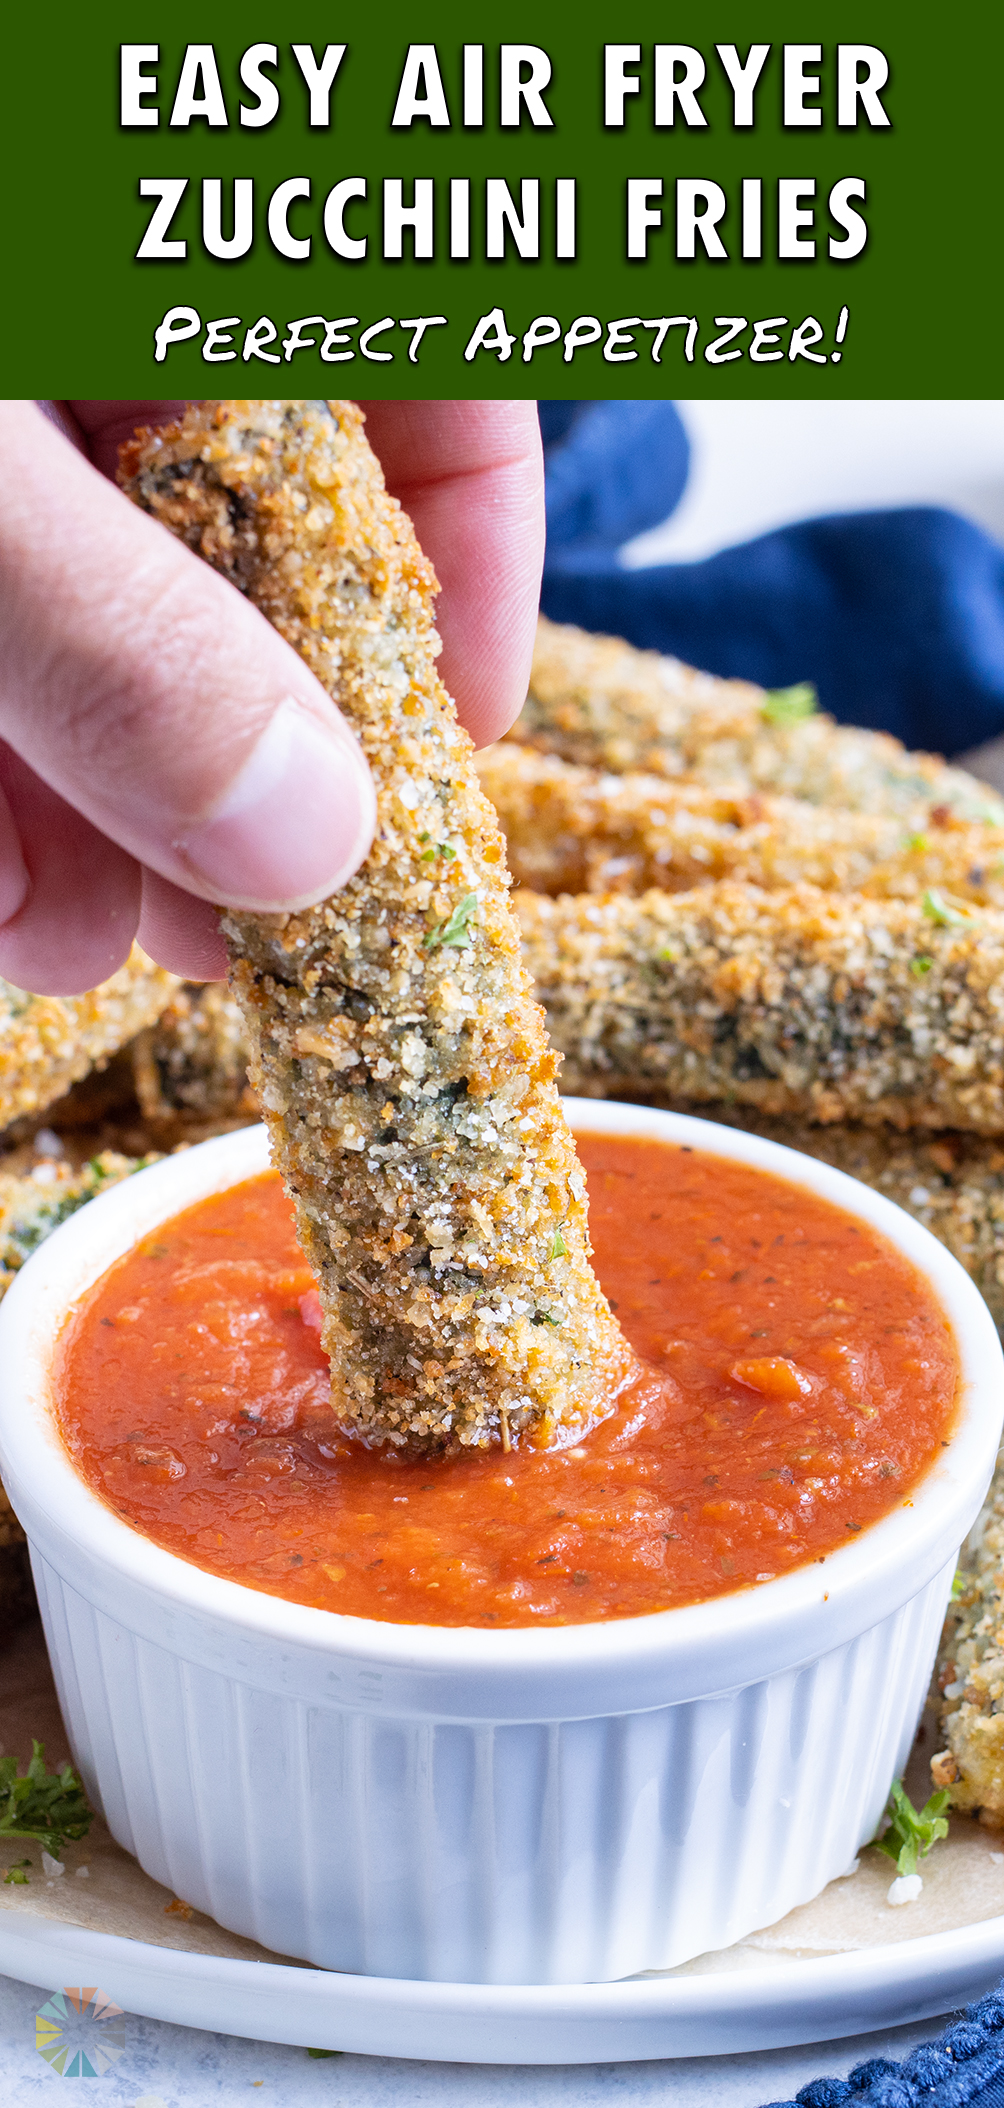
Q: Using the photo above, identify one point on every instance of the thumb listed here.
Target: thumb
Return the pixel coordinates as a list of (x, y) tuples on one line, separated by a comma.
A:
[(157, 701)]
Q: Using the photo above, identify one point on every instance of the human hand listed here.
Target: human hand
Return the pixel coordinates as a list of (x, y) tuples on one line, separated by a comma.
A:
[(162, 749)]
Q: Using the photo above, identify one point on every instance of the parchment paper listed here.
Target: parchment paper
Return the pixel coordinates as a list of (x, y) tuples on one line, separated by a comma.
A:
[(963, 1877)]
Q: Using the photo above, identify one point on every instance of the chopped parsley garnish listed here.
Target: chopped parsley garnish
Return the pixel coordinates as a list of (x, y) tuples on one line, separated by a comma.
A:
[(922, 964), (559, 1249), (15, 1877), (47, 1805), (918, 843), (543, 1317), (937, 909), (960, 1583), (910, 1835), (438, 849), (455, 931), (787, 706)]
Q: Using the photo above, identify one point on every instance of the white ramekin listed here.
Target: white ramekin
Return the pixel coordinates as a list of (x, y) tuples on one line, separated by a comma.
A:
[(560, 1805)]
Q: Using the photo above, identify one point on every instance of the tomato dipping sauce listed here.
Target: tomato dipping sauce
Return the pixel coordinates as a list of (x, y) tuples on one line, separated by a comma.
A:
[(799, 1379)]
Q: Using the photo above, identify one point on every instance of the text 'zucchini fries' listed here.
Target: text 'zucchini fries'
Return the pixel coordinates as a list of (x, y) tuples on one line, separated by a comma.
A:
[(824, 1005), (400, 1059), (576, 830), (597, 702)]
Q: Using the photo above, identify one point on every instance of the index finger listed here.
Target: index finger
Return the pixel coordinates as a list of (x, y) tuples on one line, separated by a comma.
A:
[(471, 477)]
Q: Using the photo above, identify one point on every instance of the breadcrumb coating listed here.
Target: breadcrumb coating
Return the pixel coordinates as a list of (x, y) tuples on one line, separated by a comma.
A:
[(970, 1671), (578, 830), (193, 1063), (820, 1005), (601, 704), (49, 1042), (398, 1054)]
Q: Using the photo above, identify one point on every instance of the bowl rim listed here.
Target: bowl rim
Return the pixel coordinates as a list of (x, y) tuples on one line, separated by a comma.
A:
[(783, 1622)]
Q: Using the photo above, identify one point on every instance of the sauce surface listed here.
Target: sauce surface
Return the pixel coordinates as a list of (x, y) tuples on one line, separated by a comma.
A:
[(800, 1377)]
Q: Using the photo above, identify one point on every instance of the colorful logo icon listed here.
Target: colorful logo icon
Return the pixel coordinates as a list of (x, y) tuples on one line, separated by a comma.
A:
[(80, 2032)]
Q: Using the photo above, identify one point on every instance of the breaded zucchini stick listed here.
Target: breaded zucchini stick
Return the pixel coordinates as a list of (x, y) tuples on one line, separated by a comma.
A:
[(48, 1042), (970, 1671), (575, 830), (400, 1059), (34, 1205), (599, 703), (192, 1065), (826, 1006)]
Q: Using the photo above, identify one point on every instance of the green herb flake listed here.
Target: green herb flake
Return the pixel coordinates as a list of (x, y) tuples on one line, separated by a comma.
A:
[(918, 843), (15, 1877), (921, 965), (669, 951), (442, 849), (910, 1836), (559, 1249), (455, 931), (47, 1805), (543, 1317), (937, 910), (960, 1583), (788, 706)]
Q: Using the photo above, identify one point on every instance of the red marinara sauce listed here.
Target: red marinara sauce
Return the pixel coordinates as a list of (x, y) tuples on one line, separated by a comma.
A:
[(801, 1377)]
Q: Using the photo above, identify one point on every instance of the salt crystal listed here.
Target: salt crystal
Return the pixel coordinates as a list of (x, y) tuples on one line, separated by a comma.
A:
[(51, 1866), (905, 1889)]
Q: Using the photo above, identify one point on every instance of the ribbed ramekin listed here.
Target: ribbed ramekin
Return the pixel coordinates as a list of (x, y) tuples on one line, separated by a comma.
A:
[(570, 1804)]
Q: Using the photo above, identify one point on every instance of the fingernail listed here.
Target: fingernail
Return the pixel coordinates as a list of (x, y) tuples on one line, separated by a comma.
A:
[(294, 826)]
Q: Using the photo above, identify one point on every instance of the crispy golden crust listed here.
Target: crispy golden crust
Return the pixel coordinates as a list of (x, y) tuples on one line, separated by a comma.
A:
[(193, 1063), (823, 1006), (400, 1059), (970, 1671), (599, 703), (33, 1204), (48, 1042), (577, 830)]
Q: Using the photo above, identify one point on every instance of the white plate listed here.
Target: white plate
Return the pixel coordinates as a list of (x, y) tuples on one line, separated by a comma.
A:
[(748, 2008)]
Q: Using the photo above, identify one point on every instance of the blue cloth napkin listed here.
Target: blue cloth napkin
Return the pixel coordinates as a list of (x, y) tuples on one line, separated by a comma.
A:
[(964, 2068), (896, 616)]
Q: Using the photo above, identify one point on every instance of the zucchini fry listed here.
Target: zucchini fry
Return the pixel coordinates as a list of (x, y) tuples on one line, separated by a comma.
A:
[(821, 1005), (970, 1671), (575, 830), (599, 703), (400, 1059), (192, 1065), (48, 1043)]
